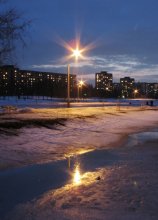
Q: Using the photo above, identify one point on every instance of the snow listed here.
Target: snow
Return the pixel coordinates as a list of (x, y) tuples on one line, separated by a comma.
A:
[(47, 102), (85, 129), (127, 188)]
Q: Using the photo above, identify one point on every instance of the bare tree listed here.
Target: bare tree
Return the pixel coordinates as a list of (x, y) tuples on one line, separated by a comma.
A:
[(12, 28)]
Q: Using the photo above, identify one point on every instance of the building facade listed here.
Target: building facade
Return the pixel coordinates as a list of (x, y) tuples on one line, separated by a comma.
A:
[(16, 82), (147, 90), (127, 87), (103, 84), (116, 90)]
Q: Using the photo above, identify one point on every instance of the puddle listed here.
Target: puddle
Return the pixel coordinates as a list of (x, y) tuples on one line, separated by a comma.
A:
[(24, 184), (140, 138)]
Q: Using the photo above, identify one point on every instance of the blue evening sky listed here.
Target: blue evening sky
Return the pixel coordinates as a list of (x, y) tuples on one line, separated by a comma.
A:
[(125, 33)]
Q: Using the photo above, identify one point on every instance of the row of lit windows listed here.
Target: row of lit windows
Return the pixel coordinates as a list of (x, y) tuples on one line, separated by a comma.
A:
[(51, 76)]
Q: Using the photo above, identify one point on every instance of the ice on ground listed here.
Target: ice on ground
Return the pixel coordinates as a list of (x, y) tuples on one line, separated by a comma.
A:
[(140, 138), (126, 190), (84, 129)]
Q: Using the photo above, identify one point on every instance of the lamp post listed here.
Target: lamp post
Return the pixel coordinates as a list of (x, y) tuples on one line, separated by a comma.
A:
[(75, 53), (135, 92), (68, 86), (80, 84), (78, 92)]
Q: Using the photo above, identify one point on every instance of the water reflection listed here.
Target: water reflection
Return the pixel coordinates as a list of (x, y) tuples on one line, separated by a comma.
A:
[(77, 175), (70, 157)]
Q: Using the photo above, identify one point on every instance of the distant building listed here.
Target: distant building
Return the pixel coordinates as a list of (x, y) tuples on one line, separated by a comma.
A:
[(116, 90), (142, 88), (152, 90), (103, 84), (127, 87), (147, 90), (14, 81)]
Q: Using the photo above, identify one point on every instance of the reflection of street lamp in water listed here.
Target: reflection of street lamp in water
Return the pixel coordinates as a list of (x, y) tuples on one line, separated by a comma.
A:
[(77, 176)]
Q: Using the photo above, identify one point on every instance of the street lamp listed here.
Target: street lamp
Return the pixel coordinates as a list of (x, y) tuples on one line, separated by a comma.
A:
[(80, 84), (135, 92), (75, 53)]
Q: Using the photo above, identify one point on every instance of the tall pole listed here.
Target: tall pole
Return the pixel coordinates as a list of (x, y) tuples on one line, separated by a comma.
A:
[(68, 86), (81, 91), (78, 87)]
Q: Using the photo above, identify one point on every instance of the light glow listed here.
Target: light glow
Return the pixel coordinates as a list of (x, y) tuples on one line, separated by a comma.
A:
[(81, 83), (77, 53), (75, 48), (77, 176)]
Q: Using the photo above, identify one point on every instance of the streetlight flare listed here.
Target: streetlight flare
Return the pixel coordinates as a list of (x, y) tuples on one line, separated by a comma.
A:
[(81, 83), (75, 48), (77, 53)]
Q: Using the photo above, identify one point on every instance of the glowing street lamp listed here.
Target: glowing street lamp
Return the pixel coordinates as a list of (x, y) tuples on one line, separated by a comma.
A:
[(80, 84), (135, 92), (75, 53)]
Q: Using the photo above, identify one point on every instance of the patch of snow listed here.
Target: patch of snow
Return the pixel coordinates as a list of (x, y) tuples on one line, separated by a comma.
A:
[(85, 129)]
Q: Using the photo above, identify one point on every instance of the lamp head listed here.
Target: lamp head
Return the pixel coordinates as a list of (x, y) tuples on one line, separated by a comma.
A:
[(76, 53), (81, 83)]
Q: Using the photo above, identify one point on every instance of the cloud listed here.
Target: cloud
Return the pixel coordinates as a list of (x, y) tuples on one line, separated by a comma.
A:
[(112, 62), (119, 65)]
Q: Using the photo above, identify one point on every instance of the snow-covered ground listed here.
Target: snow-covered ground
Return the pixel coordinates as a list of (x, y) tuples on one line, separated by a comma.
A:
[(75, 131), (123, 189), (47, 102)]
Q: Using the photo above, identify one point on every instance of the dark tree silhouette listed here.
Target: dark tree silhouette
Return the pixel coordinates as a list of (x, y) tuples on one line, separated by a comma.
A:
[(12, 29)]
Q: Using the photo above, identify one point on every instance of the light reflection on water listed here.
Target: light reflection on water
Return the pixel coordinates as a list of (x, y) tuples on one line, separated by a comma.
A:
[(80, 174), (77, 175), (59, 176), (71, 155)]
